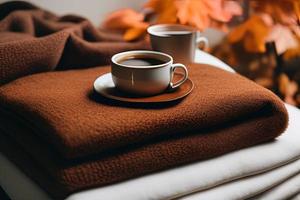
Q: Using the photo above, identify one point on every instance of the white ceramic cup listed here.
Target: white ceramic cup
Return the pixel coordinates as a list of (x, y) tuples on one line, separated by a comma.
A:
[(177, 40), (145, 80)]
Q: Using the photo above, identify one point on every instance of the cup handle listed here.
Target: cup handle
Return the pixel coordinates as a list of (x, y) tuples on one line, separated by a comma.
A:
[(204, 41), (173, 68)]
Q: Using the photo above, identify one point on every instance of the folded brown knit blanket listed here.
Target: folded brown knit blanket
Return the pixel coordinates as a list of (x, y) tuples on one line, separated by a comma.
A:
[(78, 139), (34, 40)]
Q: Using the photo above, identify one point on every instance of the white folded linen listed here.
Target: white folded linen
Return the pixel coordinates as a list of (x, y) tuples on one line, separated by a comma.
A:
[(296, 197), (285, 190), (251, 186), (209, 173)]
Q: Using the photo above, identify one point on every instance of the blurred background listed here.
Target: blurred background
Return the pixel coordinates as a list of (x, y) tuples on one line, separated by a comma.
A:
[(94, 10)]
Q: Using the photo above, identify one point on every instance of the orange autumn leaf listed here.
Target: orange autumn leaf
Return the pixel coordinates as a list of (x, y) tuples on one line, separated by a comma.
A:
[(129, 21), (198, 13), (193, 13), (283, 38), (286, 12), (293, 52), (297, 10), (123, 19), (252, 34), (165, 9), (223, 10), (135, 32)]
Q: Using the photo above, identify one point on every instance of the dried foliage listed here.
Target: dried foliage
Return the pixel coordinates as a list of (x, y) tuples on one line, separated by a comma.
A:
[(198, 13), (271, 20), (245, 47), (166, 10), (127, 20), (286, 12), (252, 34)]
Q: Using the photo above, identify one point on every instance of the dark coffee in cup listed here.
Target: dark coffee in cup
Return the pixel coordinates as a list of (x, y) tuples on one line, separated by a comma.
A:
[(140, 61)]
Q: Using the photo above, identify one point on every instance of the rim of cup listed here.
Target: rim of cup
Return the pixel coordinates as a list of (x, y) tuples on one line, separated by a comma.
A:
[(132, 53), (153, 29)]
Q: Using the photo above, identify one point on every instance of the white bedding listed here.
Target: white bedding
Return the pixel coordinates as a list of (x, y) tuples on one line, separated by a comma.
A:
[(296, 197), (287, 189), (183, 180), (249, 187)]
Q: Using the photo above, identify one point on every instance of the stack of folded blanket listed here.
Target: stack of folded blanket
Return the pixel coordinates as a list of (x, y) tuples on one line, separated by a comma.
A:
[(265, 171), (67, 138)]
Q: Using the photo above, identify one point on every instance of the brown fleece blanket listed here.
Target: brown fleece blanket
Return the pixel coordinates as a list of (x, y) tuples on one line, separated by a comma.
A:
[(34, 40), (79, 139)]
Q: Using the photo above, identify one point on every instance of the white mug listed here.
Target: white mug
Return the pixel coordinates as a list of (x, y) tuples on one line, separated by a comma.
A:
[(177, 40), (145, 80)]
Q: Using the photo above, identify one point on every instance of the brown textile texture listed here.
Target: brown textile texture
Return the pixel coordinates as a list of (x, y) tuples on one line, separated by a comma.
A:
[(34, 40), (80, 140)]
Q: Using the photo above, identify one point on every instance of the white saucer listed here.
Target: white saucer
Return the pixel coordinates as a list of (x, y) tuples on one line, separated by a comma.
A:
[(105, 86), (104, 82)]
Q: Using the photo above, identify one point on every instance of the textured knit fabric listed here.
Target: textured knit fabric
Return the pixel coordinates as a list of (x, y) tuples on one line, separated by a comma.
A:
[(33, 40), (80, 139)]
